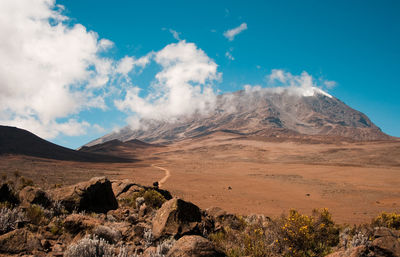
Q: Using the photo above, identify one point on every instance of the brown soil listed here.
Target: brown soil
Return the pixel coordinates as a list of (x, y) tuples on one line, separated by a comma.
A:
[(355, 181)]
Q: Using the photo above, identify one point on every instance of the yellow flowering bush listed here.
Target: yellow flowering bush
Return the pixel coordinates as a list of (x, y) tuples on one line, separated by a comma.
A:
[(389, 220), (302, 235)]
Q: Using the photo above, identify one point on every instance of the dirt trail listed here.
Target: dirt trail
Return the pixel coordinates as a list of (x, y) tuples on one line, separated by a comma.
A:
[(165, 178)]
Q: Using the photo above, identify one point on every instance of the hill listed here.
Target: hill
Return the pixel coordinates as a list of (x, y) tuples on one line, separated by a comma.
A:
[(21, 142)]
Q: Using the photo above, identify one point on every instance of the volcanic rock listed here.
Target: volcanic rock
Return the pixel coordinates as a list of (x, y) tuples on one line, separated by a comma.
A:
[(194, 246), (95, 195), (176, 218)]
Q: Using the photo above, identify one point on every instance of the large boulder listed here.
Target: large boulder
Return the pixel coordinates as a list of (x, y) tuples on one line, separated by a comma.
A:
[(7, 194), (194, 246), (76, 223), (18, 241), (176, 218), (33, 195), (95, 195)]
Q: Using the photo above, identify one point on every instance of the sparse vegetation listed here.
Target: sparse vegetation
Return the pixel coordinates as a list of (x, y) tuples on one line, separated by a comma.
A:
[(294, 235), (9, 219), (35, 214), (90, 247)]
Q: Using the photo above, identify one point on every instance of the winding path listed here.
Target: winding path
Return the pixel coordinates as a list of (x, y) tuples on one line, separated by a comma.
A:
[(165, 178)]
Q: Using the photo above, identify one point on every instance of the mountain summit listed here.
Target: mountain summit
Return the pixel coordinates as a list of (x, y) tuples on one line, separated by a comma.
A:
[(268, 112)]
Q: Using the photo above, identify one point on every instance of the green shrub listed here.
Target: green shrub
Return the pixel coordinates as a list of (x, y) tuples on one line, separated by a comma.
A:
[(56, 227), (389, 220), (152, 198), (35, 214)]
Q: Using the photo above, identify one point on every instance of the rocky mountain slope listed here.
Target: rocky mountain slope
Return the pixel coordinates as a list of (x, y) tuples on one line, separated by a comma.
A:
[(21, 142), (262, 112)]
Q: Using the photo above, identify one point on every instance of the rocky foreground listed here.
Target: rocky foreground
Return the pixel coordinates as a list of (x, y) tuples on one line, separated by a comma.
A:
[(121, 218)]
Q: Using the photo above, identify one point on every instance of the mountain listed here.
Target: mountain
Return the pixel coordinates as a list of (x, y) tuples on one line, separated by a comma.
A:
[(21, 142), (289, 112), (118, 148)]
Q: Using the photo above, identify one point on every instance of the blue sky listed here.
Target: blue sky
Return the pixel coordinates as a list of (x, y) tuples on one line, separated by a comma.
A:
[(356, 44)]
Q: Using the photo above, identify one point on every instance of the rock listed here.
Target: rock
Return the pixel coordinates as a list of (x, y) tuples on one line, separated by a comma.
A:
[(224, 219), (176, 218), (132, 189), (139, 201), (109, 234), (95, 195), (359, 251), (386, 242), (194, 246), (76, 223), (33, 195), (150, 252), (7, 194), (18, 241), (121, 186), (143, 210)]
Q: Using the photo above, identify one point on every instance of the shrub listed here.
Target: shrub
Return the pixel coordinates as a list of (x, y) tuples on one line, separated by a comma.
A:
[(164, 247), (9, 219), (302, 235), (35, 214), (152, 198), (389, 220), (248, 239), (90, 247), (56, 227), (24, 182), (148, 237), (294, 235)]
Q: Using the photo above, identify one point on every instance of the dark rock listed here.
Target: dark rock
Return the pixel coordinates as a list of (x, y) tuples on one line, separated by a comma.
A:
[(176, 218), (7, 194), (95, 195), (194, 246), (32, 195)]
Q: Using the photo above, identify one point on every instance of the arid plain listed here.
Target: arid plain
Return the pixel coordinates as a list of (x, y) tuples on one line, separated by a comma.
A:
[(244, 175)]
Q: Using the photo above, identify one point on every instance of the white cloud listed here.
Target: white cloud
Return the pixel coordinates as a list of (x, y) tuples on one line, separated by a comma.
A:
[(232, 33), (51, 70), (302, 85), (175, 34), (182, 87)]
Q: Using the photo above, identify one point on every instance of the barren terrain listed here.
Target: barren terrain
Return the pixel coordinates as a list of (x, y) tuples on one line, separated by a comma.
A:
[(355, 181)]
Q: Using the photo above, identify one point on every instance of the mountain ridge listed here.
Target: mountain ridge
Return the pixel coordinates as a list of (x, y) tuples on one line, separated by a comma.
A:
[(263, 112)]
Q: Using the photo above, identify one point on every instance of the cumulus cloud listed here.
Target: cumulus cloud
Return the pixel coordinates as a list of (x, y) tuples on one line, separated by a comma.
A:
[(51, 70), (232, 33), (182, 87)]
